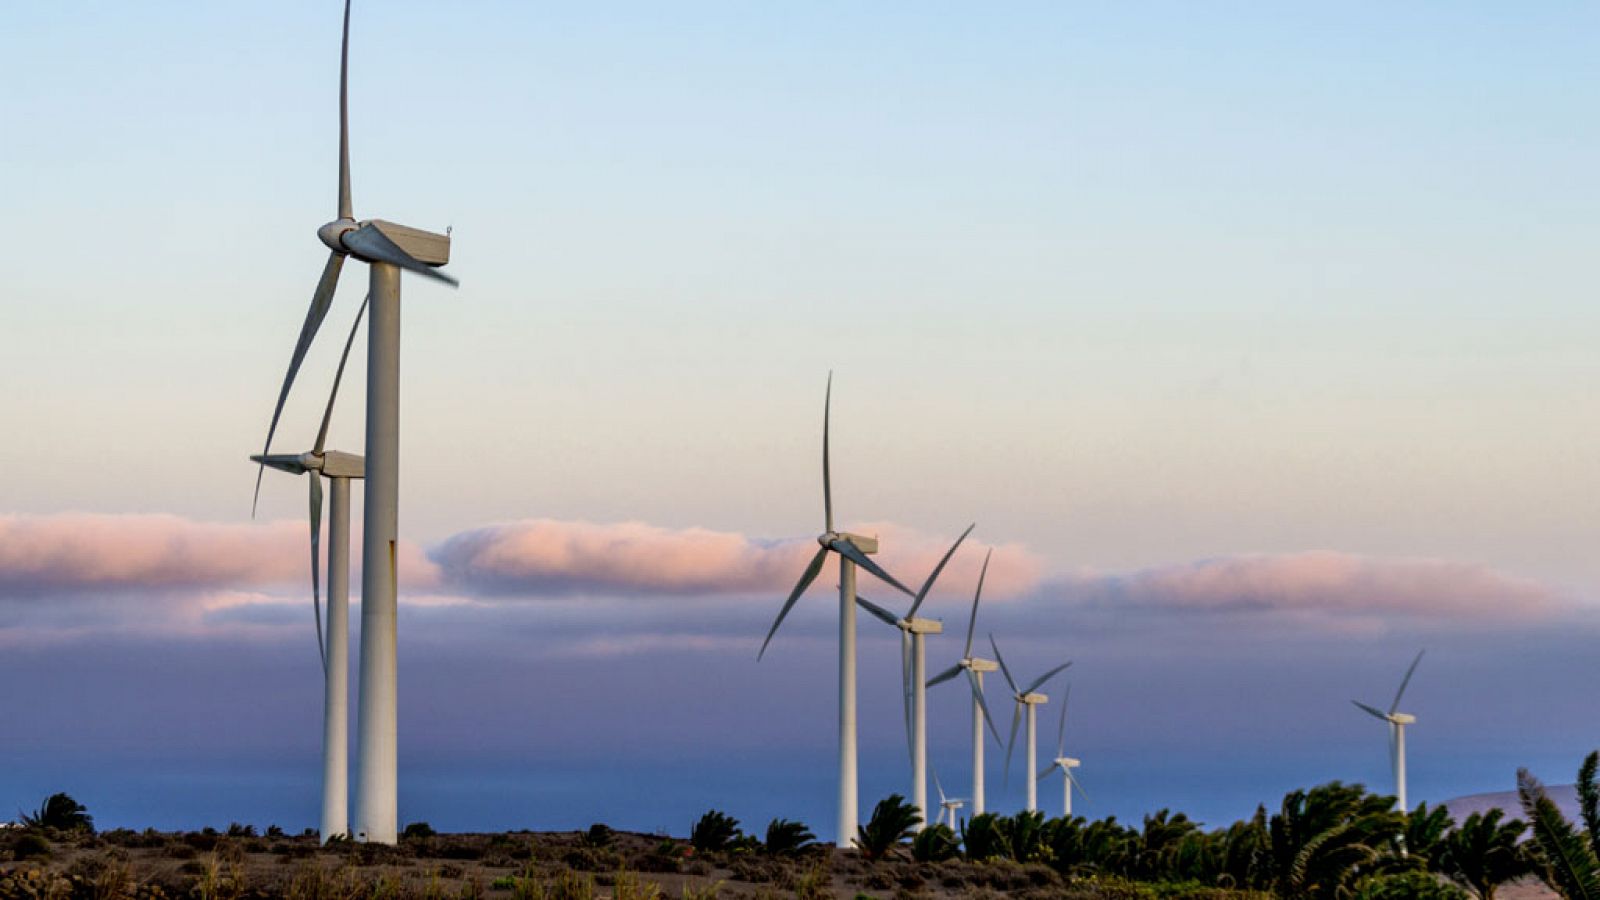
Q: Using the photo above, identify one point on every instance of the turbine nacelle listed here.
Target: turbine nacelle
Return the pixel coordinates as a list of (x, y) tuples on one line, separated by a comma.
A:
[(1402, 718), (979, 664), (425, 247), (1032, 698), (921, 626), (331, 463), (1066, 762), (868, 545)]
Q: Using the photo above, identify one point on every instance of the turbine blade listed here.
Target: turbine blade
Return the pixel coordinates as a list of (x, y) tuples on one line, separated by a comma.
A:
[(944, 676), (1004, 670), (1061, 731), (977, 693), (344, 118), (1376, 713), (1405, 681), (850, 551), (934, 576), (1046, 771), (827, 477), (1077, 784), (327, 414), (1039, 682), (321, 299), (369, 243), (905, 693), (810, 575), (316, 564), (936, 785), (1011, 741), (972, 623), (877, 611)]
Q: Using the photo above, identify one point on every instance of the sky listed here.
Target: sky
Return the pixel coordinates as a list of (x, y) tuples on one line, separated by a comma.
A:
[(1253, 338)]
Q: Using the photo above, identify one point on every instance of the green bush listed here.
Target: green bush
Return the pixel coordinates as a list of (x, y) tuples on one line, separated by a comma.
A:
[(1412, 885), (935, 844), (61, 812), (31, 846), (418, 830), (785, 837), (893, 820), (715, 831), (985, 837), (599, 835)]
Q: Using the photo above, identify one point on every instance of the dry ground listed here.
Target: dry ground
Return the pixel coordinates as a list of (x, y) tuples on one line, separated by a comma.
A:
[(122, 865)]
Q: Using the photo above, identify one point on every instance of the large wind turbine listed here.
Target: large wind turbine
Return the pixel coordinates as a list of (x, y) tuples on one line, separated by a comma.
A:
[(333, 643), (1064, 762), (852, 550), (913, 671), (1397, 732), (386, 248), (1030, 699), (974, 667)]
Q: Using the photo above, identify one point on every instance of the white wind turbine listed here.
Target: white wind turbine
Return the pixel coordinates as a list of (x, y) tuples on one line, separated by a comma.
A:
[(333, 643), (386, 248), (1397, 733), (1030, 699), (1064, 762), (913, 671), (948, 806), (852, 550), (975, 667)]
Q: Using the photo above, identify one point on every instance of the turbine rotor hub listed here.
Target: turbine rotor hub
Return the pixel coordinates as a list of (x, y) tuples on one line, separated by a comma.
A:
[(332, 234), (827, 538)]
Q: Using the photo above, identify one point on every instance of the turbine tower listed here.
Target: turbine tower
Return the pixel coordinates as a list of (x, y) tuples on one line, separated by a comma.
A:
[(1029, 699), (1064, 762), (913, 671), (1397, 733), (333, 643), (975, 667), (853, 550), (386, 248)]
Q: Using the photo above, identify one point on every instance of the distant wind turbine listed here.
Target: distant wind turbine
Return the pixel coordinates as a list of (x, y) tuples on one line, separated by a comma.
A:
[(1397, 732), (386, 248), (852, 550), (913, 671), (975, 667), (339, 469), (1064, 762), (1026, 698), (947, 805)]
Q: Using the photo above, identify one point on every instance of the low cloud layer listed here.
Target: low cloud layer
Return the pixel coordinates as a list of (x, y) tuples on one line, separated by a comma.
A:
[(545, 556), (1329, 583)]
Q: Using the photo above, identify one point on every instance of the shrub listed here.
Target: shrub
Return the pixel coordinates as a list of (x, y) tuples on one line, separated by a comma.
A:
[(237, 830), (61, 812), (1027, 833), (599, 835), (893, 820), (935, 844), (986, 837), (31, 846), (1412, 885), (785, 837), (274, 831), (715, 831), (418, 830)]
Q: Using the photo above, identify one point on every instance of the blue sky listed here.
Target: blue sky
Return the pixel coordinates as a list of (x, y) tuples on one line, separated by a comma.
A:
[(1139, 288)]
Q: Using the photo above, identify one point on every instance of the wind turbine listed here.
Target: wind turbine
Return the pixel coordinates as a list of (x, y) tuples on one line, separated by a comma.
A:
[(975, 667), (339, 469), (1064, 762), (852, 550), (1397, 732), (386, 248), (948, 805), (1030, 699), (913, 670)]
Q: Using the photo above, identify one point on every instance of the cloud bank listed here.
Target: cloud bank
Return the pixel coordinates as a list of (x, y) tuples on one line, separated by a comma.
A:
[(548, 557), (1330, 583)]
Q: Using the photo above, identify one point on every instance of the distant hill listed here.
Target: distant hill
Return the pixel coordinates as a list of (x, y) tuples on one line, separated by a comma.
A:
[(1565, 796)]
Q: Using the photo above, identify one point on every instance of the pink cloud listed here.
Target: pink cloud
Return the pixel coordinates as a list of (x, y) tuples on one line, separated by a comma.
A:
[(1332, 583), (544, 556), (81, 551)]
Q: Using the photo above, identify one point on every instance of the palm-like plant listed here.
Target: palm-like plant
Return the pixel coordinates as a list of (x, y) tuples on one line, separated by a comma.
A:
[(986, 837), (1568, 860), (1323, 838), (935, 843), (785, 837), (1484, 853), (715, 831), (1425, 832), (893, 820), (61, 812)]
